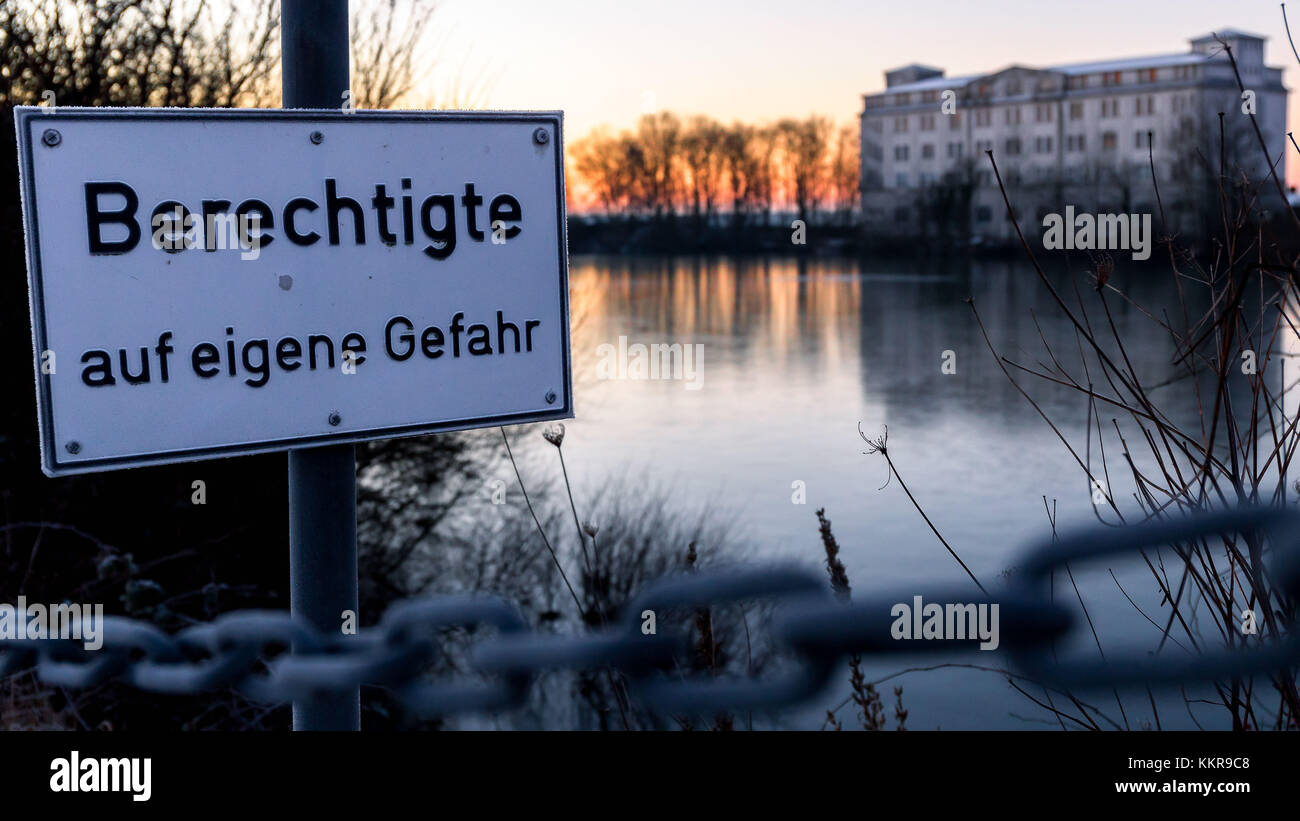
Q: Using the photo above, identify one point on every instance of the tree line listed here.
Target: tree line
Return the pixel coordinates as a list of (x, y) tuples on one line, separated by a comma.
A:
[(670, 166)]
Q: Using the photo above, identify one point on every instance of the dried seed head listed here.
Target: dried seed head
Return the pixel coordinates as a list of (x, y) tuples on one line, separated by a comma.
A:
[(590, 529), (1105, 267), (554, 435)]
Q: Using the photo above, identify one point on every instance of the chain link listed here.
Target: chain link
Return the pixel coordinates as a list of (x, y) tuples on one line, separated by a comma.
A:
[(272, 657)]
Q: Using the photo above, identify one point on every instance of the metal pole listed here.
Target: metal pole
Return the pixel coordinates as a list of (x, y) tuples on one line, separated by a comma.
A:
[(322, 481)]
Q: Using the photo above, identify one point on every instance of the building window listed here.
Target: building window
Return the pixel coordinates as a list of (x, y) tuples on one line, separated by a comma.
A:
[(983, 117), (902, 99), (1109, 108), (929, 96), (1143, 138), (927, 151), (1013, 146), (1076, 111), (1012, 115), (927, 122), (1043, 145), (1080, 81), (1147, 75), (900, 125), (983, 145), (901, 179), (1144, 106), (954, 120), (1110, 78), (1074, 142), (1043, 112), (900, 153), (1108, 141)]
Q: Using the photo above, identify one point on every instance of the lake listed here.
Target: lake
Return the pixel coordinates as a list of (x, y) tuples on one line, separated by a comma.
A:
[(794, 356)]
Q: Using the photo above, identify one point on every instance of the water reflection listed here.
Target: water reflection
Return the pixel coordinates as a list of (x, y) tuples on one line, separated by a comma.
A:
[(797, 353)]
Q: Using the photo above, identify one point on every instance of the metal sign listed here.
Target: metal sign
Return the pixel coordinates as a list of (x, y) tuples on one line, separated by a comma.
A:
[(211, 283)]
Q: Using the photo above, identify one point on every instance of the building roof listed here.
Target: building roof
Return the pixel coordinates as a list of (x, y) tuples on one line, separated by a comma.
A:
[(931, 84), (1127, 64), (921, 66), (1227, 33)]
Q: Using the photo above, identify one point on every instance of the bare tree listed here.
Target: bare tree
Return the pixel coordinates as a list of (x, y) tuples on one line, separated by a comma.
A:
[(140, 52), (843, 172), (702, 157), (667, 166), (389, 54), (763, 150), (803, 148), (659, 136)]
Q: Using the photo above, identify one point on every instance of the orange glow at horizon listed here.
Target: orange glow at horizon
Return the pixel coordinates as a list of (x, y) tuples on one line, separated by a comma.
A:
[(757, 61)]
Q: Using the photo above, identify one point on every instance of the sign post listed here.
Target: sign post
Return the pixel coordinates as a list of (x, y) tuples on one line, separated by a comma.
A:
[(322, 480)]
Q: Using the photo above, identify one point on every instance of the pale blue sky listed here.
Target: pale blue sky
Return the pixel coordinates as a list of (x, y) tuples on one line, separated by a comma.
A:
[(756, 59)]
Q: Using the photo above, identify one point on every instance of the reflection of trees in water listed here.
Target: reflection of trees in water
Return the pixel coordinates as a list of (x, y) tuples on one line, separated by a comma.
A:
[(888, 322)]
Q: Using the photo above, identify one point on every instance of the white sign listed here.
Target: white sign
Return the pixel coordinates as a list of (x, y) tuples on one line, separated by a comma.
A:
[(210, 283)]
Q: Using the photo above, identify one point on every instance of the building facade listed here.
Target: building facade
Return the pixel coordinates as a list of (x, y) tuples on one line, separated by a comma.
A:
[(1085, 134)]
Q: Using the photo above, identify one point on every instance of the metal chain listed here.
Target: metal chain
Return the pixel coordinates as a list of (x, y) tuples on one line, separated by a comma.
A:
[(272, 657)]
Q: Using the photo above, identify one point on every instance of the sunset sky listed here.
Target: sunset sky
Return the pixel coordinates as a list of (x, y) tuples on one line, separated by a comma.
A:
[(602, 62)]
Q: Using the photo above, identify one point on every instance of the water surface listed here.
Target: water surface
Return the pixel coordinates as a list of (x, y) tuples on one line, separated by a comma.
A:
[(796, 355)]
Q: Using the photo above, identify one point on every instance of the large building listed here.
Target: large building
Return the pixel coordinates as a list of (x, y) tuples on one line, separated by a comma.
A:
[(1074, 134)]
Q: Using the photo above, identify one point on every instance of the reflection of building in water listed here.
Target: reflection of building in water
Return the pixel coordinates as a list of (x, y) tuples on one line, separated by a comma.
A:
[(879, 336), (907, 325), (1064, 135)]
